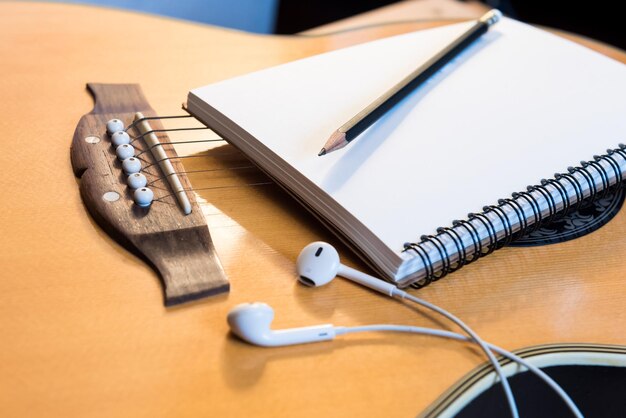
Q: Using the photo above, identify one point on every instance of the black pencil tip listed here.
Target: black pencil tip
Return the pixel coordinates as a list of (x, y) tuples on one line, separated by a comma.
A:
[(322, 152)]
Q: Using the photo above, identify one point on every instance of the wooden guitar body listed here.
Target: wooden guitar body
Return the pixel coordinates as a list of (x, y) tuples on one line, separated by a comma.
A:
[(84, 330)]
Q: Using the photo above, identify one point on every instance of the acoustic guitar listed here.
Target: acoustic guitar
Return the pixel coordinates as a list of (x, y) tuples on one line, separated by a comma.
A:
[(84, 328)]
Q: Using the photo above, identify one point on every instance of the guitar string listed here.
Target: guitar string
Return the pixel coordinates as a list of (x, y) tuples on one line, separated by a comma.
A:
[(143, 151), (134, 123), (195, 141), (235, 186), (208, 170), (198, 128), (178, 157), (159, 178)]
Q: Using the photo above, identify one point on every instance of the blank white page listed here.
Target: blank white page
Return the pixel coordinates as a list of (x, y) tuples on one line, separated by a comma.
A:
[(517, 106)]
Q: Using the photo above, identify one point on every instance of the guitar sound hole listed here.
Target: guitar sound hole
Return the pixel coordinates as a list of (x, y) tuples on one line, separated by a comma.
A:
[(597, 390), (590, 217)]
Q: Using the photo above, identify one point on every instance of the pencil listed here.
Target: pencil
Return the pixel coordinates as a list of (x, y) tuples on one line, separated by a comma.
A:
[(366, 117)]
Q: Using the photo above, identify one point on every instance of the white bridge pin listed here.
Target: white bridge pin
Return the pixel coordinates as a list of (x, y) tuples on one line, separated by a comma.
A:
[(136, 181), (120, 137), (131, 165), (114, 125), (125, 151), (143, 197)]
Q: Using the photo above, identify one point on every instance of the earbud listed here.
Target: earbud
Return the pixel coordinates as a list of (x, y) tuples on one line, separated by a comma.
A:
[(252, 323), (318, 264)]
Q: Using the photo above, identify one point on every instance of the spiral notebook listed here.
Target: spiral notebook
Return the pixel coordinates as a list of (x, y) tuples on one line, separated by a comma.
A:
[(511, 110)]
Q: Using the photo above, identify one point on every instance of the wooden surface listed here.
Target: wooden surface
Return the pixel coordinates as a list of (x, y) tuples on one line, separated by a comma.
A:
[(407, 10), (84, 331)]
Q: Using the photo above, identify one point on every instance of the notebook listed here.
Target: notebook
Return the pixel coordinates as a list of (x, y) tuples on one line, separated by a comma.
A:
[(514, 108)]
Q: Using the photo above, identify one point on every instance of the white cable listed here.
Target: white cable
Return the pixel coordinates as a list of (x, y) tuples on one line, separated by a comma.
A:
[(496, 365), (453, 335)]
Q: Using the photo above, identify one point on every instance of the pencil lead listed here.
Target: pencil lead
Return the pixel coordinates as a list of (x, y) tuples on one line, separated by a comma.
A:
[(322, 152)]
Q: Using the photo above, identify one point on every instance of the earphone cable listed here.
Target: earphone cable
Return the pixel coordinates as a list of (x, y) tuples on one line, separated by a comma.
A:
[(496, 365), (455, 336)]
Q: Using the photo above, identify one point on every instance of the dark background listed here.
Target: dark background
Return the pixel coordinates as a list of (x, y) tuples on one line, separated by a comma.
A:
[(598, 20)]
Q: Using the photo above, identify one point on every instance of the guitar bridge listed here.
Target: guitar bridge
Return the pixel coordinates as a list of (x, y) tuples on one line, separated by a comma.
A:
[(168, 229)]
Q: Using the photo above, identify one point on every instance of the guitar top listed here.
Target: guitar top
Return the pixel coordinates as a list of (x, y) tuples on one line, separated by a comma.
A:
[(84, 328)]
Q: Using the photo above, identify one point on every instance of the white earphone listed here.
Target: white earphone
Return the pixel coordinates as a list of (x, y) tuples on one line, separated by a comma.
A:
[(252, 323), (317, 265)]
